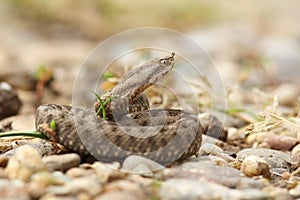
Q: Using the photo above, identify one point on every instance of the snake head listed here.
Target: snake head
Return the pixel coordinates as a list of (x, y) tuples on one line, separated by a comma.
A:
[(164, 65), (168, 60), (140, 78)]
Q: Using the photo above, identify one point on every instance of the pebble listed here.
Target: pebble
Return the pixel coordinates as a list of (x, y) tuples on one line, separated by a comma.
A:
[(120, 196), (226, 157), (278, 172), (131, 163), (43, 147), (295, 160), (10, 102), (143, 170), (222, 175), (280, 142), (25, 162), (3, 160), (39, 183), (193, 189), (278, 193), (124, 186), (295, 157), (5, 145), (104, 171), (255, 166), (256, 137), (208, 148), (274, 158), (287, 94), (202, 162), (120, 186), (214, 128), (13, 190), (61, 162), (252, 194), (88, 185), (77, 172), (295, 192)]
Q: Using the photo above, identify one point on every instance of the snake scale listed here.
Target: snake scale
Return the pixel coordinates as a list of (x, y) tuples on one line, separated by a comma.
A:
[(131, 128)]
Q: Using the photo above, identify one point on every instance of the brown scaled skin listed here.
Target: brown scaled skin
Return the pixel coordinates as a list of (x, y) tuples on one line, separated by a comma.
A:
[(163, 135)]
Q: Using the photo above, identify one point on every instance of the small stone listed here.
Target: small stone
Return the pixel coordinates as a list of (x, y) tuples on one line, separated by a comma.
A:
[(192, 189), (120, 195), (88, 185), (274, 158), (128, 188), (13, 190), (277, 173), (279, 193), (255, 166), (3, 160), (131, 162), (287, 94), (10, 102), (280, 142), (295, 192), (5, 145), (202, 161), (39, 183), (208, 148), (3, 174), (214, 128), (286, 176), (77, 172), (253, 194), (296, 149), (24, 163), (43, 147), (226, 157), (295, 157), (223, 175), (143, 170), (105, 171), (61, 162), (256, 137), (295, 160)]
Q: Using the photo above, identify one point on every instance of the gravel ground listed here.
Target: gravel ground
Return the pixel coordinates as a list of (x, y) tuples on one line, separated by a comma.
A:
[(260, 158)]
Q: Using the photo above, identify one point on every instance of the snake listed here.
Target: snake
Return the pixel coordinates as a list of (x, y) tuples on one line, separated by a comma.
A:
[(130, 127)]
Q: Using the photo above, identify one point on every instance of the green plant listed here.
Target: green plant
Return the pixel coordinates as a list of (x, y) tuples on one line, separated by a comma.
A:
[(35, 134), (53, 125), (102, 104)]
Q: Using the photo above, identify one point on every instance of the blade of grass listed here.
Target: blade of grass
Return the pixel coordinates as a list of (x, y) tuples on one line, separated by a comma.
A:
[(35, 134), (103, 104), (53, 125), (242, 110)]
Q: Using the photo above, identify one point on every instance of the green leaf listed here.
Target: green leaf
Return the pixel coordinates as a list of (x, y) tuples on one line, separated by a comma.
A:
[(35, 134), (53, 125), (40, 71), (102, 104), (108, 75)]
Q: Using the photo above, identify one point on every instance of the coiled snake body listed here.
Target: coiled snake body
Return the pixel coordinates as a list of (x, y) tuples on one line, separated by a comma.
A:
[(163, 135)]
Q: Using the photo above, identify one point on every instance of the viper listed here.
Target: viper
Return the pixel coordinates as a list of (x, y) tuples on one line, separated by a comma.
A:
[(130, 127)]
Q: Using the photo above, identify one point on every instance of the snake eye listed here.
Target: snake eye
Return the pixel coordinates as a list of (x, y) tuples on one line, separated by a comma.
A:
[(163, 61)]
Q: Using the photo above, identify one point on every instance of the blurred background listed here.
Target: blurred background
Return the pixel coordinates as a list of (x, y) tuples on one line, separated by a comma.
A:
[(252, 44)]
